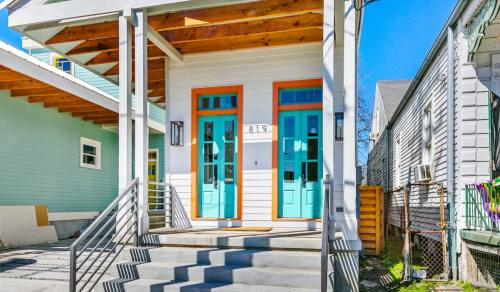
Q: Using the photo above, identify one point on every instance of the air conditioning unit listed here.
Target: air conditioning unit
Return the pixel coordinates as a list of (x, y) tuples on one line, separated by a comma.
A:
[(373, 136), (423, 173)]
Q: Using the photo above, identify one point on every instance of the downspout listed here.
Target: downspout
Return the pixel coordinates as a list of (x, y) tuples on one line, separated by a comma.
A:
[(450, 151), (388, 152)]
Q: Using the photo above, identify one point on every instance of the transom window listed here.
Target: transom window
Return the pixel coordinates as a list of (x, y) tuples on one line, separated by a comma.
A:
[(90, 153), (301, 95), (218, 101), (63, 64)]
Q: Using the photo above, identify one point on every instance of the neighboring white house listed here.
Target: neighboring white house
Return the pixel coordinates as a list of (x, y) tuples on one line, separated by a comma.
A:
[(466, 97)]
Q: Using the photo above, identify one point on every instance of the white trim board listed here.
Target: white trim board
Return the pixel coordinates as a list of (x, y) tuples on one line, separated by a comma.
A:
[(64, 216)]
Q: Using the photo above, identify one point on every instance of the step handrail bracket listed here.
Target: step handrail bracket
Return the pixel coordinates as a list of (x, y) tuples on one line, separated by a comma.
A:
[(325, 235), (124, 223)]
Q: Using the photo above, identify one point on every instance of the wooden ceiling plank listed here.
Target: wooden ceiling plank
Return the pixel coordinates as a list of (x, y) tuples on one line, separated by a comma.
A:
[(93, 108), (250, 42), (156, 92), (52, 98), (3, 68), (104, 122), (62, 104), (153, 65), (91, 114), (9, 75), (200, 17), (154, 75), (161, 100), (158, 84), (97, 118), (112, 56), (22, 84), (261, 26), (35, 92)]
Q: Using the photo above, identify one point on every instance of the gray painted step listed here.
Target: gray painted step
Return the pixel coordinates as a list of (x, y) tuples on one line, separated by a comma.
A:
[(141, 285), (281, 277), (239, 257)]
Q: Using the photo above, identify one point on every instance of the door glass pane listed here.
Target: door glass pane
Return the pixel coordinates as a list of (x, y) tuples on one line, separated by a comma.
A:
[(312, 126), (312, 171), (89, 149), (289, 172), (229, 152), (208, 172), (229, 130), (287, 97), (230, 101), (153, 170), (301, 96), (229, 174), (312, 149), (289, 149), (205, 102), (209, 152), (289, 127), (216, 102), (209, 131)]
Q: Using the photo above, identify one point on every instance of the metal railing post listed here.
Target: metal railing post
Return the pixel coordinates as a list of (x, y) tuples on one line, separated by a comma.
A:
[(325, 237), (72, 267), (136, 225)]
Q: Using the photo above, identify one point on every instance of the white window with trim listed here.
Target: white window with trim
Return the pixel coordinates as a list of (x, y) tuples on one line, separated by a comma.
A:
[(398, 162), (427, 135), (90, 153)]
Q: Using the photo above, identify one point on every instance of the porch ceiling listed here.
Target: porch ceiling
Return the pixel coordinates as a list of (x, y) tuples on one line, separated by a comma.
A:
[(242, 26)]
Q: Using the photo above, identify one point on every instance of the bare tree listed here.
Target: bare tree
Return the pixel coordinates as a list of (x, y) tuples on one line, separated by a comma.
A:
[(365, 110)]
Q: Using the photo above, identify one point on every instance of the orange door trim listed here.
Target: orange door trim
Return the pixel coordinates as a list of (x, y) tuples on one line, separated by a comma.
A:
[(276, 109), (195, 113)]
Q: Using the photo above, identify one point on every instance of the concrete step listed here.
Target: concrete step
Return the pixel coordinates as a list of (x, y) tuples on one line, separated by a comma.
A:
[(150, 285), (240, 257), (231, 274), (277, 239)]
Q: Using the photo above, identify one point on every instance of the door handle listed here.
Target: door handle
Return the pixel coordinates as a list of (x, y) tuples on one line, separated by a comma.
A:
[(216, 156), (215, 177), (303, 174)]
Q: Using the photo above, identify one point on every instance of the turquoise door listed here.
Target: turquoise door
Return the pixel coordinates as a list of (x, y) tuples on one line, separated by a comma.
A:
[(300, 164), (217, 166)]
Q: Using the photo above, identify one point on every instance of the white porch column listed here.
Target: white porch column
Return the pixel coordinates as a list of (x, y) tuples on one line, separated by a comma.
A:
[(350, 222), (168, 131), (125, 109), (328, 111), (168, 128), (141, 116)]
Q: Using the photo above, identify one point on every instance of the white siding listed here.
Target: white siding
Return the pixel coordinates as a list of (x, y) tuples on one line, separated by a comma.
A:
[(256, 70)]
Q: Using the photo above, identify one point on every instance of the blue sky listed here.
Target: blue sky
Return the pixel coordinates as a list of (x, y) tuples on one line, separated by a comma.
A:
[(8, 35), (396, 37)]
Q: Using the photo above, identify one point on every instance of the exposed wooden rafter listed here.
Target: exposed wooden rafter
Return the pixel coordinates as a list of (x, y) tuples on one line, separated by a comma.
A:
[(201, 17), (153, 65)]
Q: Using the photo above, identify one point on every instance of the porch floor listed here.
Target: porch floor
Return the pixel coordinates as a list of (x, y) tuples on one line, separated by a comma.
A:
[(281, 239)]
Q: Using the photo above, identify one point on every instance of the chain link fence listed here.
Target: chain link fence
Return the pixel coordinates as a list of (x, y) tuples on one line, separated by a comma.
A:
[(417, 214)]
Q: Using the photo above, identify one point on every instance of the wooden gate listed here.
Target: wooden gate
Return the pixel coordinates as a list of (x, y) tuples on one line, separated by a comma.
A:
[(371, 220)]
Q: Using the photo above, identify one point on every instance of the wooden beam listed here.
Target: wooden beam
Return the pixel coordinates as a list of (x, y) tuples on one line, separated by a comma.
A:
[(104, 122), (112, 56), (153, 75), (3, 69), (9, 75), (53, 98), (161, 100), (156, 92), (261, 26), (62, 104), (164, 45), (250, 42), (36, 91), (97, 118), (21, 84), (159, 84), (93, 108), (153, 65), (91, 114), (183, 19)]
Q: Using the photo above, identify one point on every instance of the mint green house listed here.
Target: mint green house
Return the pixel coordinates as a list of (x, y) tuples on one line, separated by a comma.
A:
[(52, 157)]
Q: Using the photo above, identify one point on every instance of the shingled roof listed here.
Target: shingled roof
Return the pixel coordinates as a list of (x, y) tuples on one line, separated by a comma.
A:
[(392, 92)]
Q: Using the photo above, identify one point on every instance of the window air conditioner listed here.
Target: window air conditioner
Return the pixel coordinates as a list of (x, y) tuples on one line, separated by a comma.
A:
[(423, 173), (373, 136)]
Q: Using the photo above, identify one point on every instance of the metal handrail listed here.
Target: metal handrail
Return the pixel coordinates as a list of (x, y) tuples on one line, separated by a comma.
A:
[(130, 195), (167, 196), (325, 235)]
